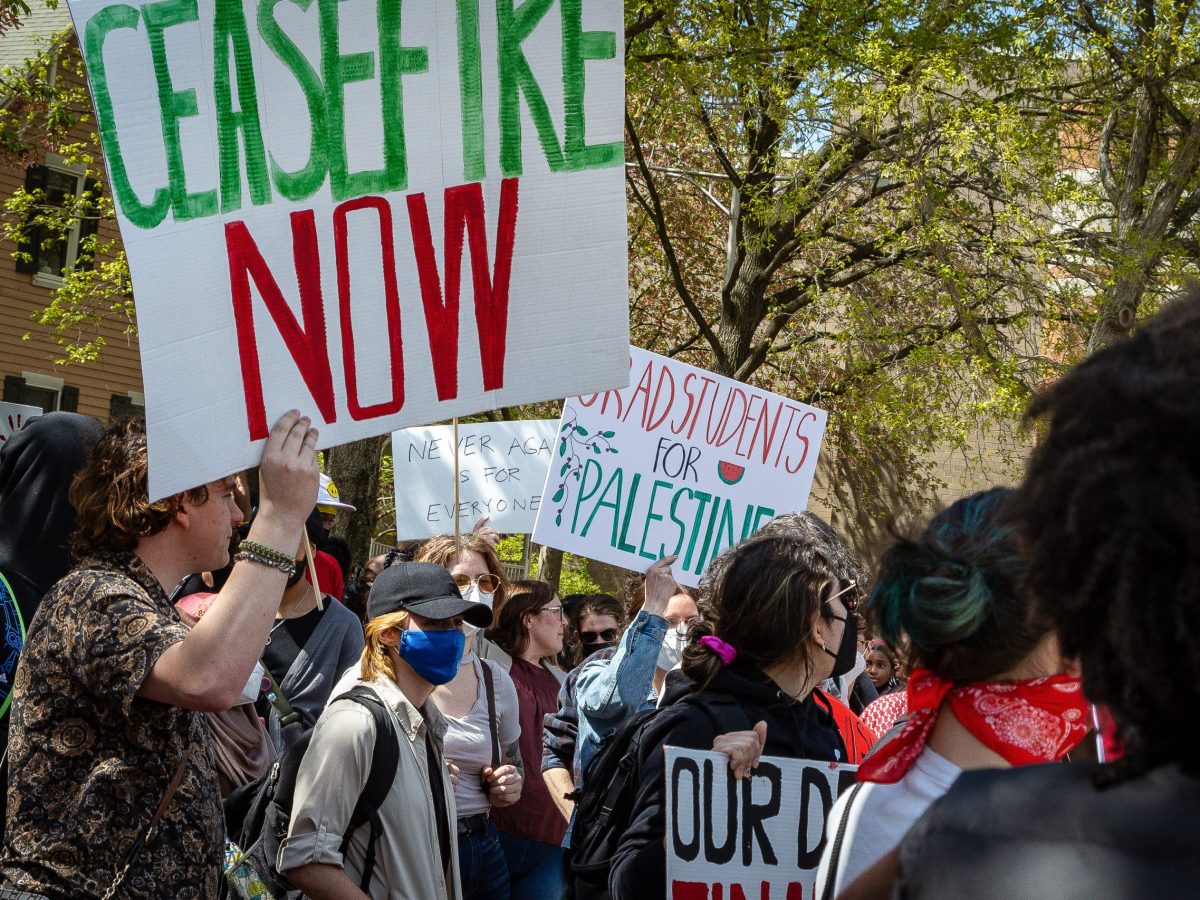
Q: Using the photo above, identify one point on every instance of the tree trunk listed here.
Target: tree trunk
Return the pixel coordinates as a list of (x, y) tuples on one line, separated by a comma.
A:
[(550, 566), (354, 468)]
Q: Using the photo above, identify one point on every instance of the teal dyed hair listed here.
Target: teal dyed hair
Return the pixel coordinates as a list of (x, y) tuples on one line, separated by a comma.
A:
[(954, 597)]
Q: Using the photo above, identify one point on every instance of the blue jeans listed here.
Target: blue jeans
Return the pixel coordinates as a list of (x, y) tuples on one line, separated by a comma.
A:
[(481, 866), (535, 869)]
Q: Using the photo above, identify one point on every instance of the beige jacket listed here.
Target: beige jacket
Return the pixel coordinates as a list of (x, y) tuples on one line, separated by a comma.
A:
[(333, 772)]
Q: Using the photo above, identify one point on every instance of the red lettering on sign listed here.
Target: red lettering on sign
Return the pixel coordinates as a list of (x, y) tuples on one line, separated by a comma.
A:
[(307, 344), (391, 300), (464, 212)]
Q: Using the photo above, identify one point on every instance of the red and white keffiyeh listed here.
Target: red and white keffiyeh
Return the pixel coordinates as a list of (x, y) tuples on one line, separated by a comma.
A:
[(1030, 721)]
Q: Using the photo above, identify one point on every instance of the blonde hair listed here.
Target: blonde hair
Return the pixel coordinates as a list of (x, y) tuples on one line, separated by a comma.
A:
[(375, 660)]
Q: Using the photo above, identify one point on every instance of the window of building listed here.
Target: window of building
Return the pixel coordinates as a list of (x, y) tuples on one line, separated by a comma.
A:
[(57, 182), (45, 391), (126, 406)]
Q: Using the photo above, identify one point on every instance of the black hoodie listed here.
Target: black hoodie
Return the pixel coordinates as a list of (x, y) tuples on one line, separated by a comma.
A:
[(797, 730), (37, 465)]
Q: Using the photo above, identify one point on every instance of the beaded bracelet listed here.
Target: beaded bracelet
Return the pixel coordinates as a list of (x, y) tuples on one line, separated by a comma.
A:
[(250, 551)]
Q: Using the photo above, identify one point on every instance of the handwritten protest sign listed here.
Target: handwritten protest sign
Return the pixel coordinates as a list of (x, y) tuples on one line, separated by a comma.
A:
[(758, 838), (13, 416), (359, 208), (681, 462), (502, 467)]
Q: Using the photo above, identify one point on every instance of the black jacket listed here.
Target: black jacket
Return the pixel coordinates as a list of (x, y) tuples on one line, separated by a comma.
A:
[(1047, 832), (803, 730)]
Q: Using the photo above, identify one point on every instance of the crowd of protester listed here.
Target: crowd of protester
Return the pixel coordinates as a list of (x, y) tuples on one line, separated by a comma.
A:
[(208, 699)]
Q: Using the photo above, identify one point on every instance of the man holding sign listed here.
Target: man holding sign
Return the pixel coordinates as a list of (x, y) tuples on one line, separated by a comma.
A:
[(107, 749)]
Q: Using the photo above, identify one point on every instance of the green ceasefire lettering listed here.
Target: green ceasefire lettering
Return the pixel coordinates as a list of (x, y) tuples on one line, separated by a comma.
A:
[(341, 70), (470, 87), (577, 46), (230, 24), (140, 214), (514, 25), (175, 105), (301, 184)]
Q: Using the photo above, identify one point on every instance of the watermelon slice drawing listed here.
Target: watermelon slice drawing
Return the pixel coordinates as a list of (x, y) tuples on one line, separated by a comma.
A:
[(730, 473)]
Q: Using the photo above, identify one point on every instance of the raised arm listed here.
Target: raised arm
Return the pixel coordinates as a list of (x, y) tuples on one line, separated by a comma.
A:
[(207, 670)]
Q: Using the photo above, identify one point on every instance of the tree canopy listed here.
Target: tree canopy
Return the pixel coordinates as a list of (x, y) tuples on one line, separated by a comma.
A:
[(908, 212)]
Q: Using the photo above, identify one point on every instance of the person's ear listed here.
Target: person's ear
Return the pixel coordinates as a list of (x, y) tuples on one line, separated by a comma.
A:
[(390, 637), (181, 509)]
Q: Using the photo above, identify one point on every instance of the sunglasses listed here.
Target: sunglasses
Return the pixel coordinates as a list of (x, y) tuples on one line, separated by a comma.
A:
[(487, 583), (851, 603), (607, 636)]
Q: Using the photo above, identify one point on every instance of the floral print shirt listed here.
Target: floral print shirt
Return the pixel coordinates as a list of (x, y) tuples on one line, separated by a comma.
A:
[(89, 761)]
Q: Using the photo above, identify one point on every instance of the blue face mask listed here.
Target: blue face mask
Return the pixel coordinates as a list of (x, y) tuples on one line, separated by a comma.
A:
[(434, 655)]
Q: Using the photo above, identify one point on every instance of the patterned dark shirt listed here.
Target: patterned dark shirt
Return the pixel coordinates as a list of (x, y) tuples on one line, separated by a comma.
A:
[(89, 761)]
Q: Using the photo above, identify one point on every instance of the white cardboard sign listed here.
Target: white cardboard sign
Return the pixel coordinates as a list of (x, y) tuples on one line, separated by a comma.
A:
[(501, 469), (380, 213), (758, 838), (681, 462), (13, 416)]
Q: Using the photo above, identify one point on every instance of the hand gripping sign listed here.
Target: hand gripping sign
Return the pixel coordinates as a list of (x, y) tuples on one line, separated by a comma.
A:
[(360, 209), (759, 838)]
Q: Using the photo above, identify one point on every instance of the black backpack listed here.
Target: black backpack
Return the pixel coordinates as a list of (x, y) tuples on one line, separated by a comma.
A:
[(603, 811), (257, 814)]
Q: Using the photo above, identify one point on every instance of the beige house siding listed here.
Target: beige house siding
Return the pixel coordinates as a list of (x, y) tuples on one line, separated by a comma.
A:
[(27, 347)]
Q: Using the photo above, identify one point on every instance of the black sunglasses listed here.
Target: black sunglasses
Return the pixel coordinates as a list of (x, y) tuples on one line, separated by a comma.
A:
[(849, 600), (607, 636)]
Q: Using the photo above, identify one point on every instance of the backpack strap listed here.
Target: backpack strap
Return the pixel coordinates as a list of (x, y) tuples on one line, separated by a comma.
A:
[(489, 687), (384, 760), (835, 851)]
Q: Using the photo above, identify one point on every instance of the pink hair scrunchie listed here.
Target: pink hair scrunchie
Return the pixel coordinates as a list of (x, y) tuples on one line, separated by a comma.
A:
[(725, 650)]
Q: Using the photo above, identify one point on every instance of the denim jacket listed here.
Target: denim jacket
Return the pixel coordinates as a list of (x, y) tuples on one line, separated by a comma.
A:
[(610, 691)]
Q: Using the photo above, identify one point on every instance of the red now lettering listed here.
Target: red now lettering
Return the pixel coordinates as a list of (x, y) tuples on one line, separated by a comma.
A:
[(464, 212), (391, 298), (307, 345)]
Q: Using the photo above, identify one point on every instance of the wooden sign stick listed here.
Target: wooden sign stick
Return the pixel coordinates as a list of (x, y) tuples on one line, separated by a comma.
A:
[(457, 523), (312, 569)]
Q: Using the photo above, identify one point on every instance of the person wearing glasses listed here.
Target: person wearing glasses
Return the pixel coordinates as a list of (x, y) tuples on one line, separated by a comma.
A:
[(778, 621), (472, 561), (595, 622), (529, 627)]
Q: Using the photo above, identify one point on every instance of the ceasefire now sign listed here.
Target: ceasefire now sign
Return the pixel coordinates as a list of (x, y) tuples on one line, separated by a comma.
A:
[(358, 208)]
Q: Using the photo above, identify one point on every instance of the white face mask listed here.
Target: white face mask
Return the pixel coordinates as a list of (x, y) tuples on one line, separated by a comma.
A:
[(253, 685), (475, 595), (671, 653)]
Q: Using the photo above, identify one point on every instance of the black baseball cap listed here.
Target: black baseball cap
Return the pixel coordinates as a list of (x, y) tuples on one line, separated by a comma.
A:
[(426, 589)]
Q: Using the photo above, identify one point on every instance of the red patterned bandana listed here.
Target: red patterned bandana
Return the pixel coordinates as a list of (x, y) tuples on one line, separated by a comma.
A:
[(1032, 721)]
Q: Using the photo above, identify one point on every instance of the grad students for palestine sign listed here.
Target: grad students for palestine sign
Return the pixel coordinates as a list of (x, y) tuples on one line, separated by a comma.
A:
[(681, 462), (760, 838), (501, 469), (381, 212)]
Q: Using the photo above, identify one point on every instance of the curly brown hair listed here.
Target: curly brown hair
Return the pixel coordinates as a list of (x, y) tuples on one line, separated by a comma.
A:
[(110, 495)]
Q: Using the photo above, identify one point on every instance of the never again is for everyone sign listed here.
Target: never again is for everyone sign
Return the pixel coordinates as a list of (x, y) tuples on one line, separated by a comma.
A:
[(501, 469), (760, 838), (682, 462), (360, 208)]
